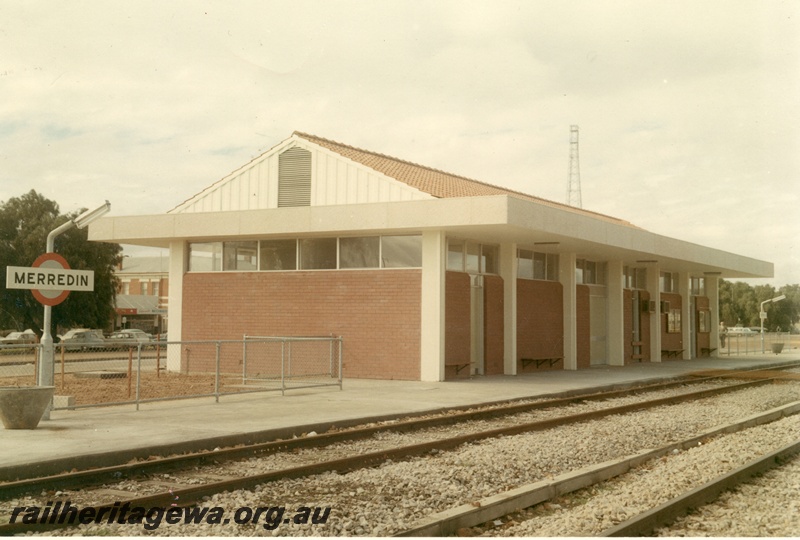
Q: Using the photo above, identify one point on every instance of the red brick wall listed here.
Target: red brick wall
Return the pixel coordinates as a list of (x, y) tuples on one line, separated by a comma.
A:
[(583, 330), (457, 322), (670, 341), (493, 319), (540, 322), (376, 312)]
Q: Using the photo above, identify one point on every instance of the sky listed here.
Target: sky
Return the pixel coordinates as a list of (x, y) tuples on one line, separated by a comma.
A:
[(687, 110)]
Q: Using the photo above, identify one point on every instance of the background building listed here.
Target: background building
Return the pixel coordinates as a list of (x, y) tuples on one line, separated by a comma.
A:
[(143, 295)]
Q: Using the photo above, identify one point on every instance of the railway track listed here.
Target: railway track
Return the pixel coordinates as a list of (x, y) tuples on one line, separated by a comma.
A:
[(615, 492), (188, 495)]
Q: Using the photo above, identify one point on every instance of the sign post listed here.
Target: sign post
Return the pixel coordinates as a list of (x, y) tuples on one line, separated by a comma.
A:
[(53, 274)]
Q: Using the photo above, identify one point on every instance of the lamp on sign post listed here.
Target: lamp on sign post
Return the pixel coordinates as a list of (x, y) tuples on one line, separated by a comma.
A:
[(47, 354), (763, 315)]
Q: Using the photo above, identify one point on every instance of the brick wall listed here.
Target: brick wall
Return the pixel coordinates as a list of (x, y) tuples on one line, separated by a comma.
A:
[(540, 323), (457, 322), (493, 318), (376, 312)]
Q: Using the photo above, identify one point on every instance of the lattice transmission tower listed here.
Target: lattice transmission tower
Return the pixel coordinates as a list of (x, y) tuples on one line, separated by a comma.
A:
[(574, 188)]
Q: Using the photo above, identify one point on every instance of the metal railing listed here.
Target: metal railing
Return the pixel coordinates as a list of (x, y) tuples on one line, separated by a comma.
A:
[(739, 344), (104, 374)]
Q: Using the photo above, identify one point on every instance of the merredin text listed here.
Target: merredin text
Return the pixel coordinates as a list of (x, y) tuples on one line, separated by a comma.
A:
[(63, 512)]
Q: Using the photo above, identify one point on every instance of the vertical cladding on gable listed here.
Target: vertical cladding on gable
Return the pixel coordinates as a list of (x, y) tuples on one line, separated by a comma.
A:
[(583, 326), (376, 312), (457, 321), (540, 322)]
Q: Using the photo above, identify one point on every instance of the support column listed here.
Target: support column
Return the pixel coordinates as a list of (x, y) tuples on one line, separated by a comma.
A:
[(684, 288), (712, 291), (616, 314), (654, 289), (178, 256), (432, 344), (566, 276), (508, 271)]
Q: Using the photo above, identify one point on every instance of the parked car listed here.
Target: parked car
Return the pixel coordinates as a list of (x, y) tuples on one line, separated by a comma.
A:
[(20, 338), (83, 339), (128, 338), (740, 330)]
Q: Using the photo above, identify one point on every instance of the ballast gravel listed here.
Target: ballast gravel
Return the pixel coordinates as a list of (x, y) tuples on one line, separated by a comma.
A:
[(593, 510), (394, 496)]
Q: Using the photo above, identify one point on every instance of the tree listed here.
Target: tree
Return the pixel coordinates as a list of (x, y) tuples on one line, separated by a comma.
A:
[(739, 304), (24, 225)]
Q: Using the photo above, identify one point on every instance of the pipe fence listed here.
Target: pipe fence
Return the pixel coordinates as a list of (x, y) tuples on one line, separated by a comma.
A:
[(104, 374), (743, 344)]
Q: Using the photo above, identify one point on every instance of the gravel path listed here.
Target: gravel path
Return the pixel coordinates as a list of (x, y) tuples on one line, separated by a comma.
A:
[(394, 496)]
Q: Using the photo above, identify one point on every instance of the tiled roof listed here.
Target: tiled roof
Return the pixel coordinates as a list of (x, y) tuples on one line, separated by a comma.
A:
[(433, 181)]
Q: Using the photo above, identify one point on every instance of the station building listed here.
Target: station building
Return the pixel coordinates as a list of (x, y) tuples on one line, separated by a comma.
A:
[(426, 275)]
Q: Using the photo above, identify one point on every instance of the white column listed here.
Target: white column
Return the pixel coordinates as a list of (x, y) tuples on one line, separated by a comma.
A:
[(432, 344), (178, 255), (616, 314), (566, 276), (653, 287), (508, 271), (712, 291), (684, 288)]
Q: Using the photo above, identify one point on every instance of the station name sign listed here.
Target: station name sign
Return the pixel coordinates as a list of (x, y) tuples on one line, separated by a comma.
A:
[(49, 279)]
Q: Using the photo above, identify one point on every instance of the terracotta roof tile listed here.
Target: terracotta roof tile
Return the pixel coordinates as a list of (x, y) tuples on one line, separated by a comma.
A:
[(437, 183)]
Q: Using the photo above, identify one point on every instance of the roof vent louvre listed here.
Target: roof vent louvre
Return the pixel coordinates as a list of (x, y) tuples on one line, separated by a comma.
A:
[(294, 178)]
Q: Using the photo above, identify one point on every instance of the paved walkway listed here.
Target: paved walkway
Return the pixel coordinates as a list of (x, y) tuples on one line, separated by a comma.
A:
[(117, 434)]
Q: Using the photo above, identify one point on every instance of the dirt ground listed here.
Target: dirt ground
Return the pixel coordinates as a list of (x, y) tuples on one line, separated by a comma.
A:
[(92, 390)]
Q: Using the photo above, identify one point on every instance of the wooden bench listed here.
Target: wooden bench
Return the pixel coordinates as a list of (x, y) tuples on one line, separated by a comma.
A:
[(669, 353), (458, 365), (706, 351), (640, 355), (541, 361)]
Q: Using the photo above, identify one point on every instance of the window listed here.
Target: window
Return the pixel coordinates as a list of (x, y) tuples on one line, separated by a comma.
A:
[(155, 288), (126, 287), (635, 278), (590, 272), (401, 251), (698, 286), (143, 286), (318, 253), (472, 257), (489, 259), (668, 282), (535, 265), (278, 255), (360, 252), (455, 256), (674, 321), (240, 255), (205, 256)]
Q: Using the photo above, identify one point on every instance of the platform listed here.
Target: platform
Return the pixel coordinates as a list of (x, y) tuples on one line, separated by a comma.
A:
[(111, 435)]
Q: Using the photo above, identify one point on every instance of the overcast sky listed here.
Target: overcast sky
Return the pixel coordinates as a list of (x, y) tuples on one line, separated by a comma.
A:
[(688, 110)]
